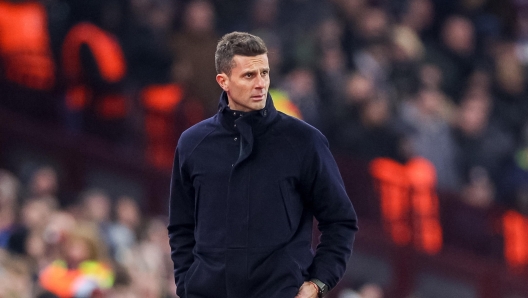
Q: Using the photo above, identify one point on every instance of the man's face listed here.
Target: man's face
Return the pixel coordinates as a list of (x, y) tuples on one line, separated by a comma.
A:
[(247, 86)]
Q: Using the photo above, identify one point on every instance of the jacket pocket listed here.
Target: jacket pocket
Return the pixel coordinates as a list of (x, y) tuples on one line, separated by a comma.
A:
[(273, 272), (190, 274), (292, 204)]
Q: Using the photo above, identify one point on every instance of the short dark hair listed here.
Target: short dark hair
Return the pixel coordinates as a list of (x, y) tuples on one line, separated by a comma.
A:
[(236, 43)]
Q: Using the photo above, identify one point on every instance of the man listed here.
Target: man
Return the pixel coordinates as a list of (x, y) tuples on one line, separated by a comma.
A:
[(245, 187)]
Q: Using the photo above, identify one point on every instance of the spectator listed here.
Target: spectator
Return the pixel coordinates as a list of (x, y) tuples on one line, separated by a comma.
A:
[(265, 23), (15, 277), (478, 141), (193, 63), (371, 290), (82, 269), (454, 54), (357, 91), (372, 60), (407, 52), (350, 13), (35, 216), (511, 106), (367, 290), (43, 182), (96, 207), (419, 15), (373, 25), (331, 76), (430, 76), (123, 232), (300, 86), (298, 21), (149, 263), (9, 189), (372, 134), (264, 15), (431, 135), (45, 248)]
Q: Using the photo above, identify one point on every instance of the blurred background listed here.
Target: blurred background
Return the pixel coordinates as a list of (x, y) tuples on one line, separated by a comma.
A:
[(424, 104)]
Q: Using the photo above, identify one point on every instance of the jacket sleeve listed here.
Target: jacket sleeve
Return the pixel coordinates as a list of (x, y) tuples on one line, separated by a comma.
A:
[(337, 220), (181, 223)]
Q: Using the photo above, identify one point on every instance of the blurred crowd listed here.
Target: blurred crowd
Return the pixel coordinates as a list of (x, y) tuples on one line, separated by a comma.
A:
[(441, 79), (96, 246)]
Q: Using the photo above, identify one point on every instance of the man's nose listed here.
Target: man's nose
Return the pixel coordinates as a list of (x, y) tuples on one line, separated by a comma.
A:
[(261, 82)]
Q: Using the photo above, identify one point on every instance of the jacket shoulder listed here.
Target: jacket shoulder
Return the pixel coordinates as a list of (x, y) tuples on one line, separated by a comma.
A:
[(195, 134), (300, 132)]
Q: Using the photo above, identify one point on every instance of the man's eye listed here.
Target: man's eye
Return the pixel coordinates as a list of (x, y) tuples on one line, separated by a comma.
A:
[(249, 75)]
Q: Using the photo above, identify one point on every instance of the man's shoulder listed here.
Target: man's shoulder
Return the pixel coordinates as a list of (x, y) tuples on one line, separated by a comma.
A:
[(297, 129), (196, 133), (301, 136)]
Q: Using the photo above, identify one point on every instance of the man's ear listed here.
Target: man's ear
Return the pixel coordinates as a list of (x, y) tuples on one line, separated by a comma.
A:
[(223, 81)]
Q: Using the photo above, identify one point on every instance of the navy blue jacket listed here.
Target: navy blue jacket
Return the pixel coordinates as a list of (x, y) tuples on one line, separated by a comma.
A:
[(244, 191)]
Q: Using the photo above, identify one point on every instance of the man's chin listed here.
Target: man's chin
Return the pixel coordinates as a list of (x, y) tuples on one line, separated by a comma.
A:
[(258, 106)]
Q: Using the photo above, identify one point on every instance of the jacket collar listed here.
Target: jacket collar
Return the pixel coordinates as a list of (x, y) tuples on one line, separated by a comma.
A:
[(257, 120)]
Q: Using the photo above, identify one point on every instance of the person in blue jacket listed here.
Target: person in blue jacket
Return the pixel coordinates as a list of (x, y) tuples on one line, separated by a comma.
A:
[(246, 185)]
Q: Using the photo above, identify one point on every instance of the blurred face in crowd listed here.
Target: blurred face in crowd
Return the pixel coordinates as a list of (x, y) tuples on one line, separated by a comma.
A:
[(509, 70), (44, 182), (60, 223), (374, 24), (199, 16), (9, 186), (429, 102), (264, 12), (127, 211), (97, 207), (431, 76), (458, 35), (301, 83), (359, 89), (474, 112), (375, 112), (332, 60), (77, 250), (352, 9), (371, 291), (82, 243), (479, 192), (248, 84), (36, 213), (330, 32), (419, 14)]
